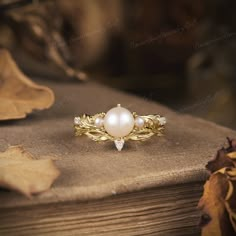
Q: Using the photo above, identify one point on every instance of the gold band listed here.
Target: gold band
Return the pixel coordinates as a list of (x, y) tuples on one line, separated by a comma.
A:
[(119, 125), (153, 125)]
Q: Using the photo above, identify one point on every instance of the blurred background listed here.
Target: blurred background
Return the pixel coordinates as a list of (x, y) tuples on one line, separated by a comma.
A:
[(180, 53)]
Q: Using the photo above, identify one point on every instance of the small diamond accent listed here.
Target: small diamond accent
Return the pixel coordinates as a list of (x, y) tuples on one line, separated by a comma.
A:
[(77, 120), (119, 144), (162, 120)]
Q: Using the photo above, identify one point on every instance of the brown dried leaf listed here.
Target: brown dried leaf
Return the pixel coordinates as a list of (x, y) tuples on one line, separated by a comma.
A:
[(212, 204), (232, 155), (230, 200), (41, 40), (226, 157), (20, 172), (18, 94), (221, 160), (218, 203)]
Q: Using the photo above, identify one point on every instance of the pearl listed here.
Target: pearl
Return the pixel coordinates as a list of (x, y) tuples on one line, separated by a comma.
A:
[(139, 122), (118, 122), (99, 122)]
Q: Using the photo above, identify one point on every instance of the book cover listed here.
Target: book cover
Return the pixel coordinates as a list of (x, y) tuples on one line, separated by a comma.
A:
[(149, 188)]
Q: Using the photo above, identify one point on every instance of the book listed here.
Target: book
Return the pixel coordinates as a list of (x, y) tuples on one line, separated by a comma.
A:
[(149, 188)]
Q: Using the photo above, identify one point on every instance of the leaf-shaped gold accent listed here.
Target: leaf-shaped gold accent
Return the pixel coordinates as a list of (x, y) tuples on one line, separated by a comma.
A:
[(87, 127), (152, 127)]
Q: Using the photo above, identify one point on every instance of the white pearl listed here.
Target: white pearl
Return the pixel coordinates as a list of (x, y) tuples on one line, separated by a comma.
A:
[(99, 122), (139, 122), (118, 122)]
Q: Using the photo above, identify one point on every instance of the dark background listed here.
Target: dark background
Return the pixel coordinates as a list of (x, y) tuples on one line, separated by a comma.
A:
[(180, 53)]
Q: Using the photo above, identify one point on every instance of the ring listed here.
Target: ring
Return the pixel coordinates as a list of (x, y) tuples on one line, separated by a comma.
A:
[(119, 125)]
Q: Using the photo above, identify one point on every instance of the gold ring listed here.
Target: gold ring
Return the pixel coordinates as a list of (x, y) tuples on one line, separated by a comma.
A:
[(119, 125)]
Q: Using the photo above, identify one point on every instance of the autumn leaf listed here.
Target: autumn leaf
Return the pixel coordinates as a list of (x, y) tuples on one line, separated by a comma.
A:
[(230, 200), (220, 161), (232, 155), (18, 94), (212, 205), (225, 157), (218, 203), (43, 42), (20, 172)]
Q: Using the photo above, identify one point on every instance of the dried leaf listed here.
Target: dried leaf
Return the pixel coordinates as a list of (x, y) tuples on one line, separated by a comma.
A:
[(18, 94), (212, 205), (38, 30), (221, 160), (232, 155), (224, 158), (20, 172), (218, 202), (230, 200)]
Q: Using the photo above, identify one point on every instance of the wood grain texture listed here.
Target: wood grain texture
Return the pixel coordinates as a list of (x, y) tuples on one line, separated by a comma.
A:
[(160, 211)]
